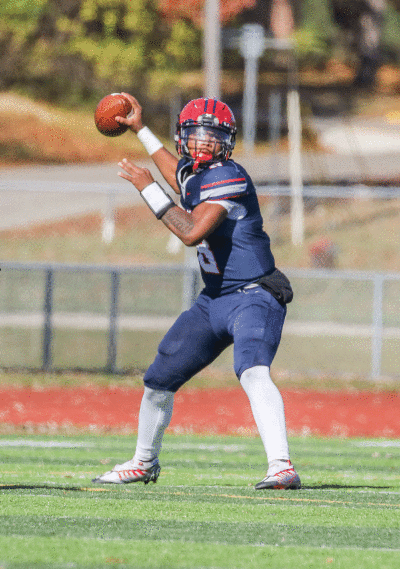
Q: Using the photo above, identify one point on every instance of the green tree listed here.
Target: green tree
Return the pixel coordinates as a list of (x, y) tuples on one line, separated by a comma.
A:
[(363, 22), (315, 31), (73, 51), (19, 20), (391, 31)]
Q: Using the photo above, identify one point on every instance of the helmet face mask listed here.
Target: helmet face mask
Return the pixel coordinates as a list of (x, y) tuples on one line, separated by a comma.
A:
[(209, 144), (206, 132)]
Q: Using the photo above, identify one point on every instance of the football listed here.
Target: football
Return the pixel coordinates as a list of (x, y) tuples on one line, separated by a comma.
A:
[(111, 106)]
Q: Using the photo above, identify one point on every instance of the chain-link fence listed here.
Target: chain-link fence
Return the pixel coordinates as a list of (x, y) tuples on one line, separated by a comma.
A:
[(59, 317)]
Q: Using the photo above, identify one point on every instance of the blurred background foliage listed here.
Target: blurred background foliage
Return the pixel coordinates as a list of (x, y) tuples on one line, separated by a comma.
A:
[(71, 52)]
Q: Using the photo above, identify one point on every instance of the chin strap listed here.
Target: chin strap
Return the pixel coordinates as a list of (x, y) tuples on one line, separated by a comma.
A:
[(204, 158), (196, 164)]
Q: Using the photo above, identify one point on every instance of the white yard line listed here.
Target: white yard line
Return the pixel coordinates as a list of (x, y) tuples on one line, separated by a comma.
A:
[(42, 444)]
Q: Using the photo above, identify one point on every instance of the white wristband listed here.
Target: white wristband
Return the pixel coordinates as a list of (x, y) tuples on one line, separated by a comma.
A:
[(158, 201), (149, 140)]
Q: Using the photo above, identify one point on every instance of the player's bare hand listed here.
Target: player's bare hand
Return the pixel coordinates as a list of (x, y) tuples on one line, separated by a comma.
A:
[(139, 177), (134, 119)]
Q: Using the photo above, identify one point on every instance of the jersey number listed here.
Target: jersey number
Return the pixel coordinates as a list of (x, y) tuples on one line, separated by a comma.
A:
[(206, 258)]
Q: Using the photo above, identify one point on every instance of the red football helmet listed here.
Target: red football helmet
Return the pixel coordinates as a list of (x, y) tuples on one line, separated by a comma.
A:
[(206, 131)]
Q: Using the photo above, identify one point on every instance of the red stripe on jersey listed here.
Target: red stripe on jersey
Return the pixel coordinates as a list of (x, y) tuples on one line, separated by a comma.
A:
[(223, 182), (217, 199)]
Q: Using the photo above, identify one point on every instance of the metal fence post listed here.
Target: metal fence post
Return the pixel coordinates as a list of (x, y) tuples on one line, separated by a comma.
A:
[(112, 332), (47, 327), (377, 323), (190, 282), (108, 229)]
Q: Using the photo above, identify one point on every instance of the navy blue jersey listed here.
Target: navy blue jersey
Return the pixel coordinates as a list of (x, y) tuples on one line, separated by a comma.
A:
[(238, 252)]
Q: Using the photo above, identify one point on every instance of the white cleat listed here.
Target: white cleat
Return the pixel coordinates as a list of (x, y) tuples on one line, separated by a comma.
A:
[(128, 472), (280, 476)]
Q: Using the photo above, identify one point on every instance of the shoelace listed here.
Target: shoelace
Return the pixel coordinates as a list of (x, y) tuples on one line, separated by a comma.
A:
[(124, 474)]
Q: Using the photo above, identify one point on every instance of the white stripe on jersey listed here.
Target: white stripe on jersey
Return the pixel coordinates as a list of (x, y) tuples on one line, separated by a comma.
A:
[(223, 191), (235, 210), (228, 205)]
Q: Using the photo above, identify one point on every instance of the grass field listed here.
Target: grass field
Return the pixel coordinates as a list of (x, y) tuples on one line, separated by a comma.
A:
[(204, 511), (363, 231)]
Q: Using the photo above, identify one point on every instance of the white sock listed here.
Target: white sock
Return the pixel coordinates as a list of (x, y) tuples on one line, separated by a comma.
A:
[(268, 411), (277, 466), (154, 417)]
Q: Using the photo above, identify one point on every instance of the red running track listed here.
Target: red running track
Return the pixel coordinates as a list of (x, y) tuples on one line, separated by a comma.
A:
[(213, 411)]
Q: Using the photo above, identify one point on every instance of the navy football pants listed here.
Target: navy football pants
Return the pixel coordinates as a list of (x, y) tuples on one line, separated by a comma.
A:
[(251, 319)]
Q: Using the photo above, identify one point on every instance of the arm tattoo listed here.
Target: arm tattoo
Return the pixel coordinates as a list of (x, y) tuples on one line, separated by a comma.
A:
[(175, 218)]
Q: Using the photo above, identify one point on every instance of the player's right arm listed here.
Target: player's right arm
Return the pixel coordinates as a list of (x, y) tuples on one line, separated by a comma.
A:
[(162, 158), (190, 227), (167, 163)]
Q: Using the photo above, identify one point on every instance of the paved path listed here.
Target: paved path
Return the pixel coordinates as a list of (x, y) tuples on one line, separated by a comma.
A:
[(31, 195), (357, 150)]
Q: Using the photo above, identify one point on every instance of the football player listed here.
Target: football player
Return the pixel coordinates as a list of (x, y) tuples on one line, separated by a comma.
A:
[(244, 298)]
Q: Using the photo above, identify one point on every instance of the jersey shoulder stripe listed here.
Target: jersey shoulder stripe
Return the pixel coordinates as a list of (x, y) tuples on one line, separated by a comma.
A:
[(224, 192), (225, 181), (219, 182), (226, 197)]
